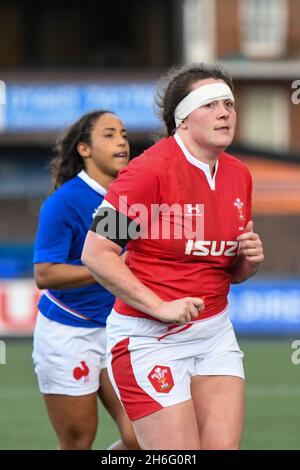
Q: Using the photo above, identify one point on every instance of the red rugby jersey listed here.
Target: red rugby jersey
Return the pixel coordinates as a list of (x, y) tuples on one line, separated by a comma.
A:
[(185, 263)]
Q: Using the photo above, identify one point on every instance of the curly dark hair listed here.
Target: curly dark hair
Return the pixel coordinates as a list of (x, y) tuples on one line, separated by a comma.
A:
[(67, 162), (176, 84)]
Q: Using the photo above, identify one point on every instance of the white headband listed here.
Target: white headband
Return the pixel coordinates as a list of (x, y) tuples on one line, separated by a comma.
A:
[(199, 97)]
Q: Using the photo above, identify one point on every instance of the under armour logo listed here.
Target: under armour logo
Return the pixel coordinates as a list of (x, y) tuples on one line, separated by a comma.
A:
[(196, 209)]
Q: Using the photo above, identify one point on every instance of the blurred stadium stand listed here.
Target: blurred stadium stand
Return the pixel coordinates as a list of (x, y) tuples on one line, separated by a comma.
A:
[(66, 59)]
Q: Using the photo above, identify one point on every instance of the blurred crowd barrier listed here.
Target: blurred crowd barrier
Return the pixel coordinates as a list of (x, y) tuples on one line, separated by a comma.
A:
[(266, 307), (50, 107), (258, 307)]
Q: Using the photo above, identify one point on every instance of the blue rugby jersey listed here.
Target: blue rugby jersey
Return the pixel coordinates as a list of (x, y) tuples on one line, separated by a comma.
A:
[(65, 219)]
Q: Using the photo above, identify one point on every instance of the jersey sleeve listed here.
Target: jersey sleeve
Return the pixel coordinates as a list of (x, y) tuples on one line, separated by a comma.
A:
[(135, 191), (54, 234)]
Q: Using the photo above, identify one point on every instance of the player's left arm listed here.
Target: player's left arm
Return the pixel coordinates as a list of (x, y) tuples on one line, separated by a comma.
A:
[(250, 255)]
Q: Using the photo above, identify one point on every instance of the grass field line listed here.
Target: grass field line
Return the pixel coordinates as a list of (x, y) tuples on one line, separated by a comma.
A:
[(262, 390)]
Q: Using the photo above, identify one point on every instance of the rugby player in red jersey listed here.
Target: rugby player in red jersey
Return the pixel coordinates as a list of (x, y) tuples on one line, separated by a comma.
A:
[(186, 208)]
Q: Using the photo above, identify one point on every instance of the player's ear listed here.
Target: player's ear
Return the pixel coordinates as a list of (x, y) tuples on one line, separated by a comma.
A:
[(83, 150), (183, 124)]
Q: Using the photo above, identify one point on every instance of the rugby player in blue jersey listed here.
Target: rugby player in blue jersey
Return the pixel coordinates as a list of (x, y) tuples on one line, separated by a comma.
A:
[(69, 338)]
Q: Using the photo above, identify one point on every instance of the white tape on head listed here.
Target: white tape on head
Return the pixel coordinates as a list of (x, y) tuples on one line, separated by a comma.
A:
[(199, 97)]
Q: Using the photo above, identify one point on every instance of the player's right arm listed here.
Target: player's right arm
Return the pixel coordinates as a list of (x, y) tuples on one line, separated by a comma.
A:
[(101, 256), (62, 276)]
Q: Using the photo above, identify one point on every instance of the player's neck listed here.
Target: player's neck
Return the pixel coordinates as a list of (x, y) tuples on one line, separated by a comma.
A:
[(101, 178), (204, 155)]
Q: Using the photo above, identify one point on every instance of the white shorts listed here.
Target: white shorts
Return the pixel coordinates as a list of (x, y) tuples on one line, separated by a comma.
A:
[(151, 364), (67, 359)]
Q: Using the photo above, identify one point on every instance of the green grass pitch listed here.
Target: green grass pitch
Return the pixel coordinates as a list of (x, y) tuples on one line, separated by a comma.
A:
[(273, 395)]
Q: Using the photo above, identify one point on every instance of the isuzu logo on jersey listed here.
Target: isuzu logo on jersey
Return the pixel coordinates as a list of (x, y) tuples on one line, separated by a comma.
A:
[(213, 248)]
